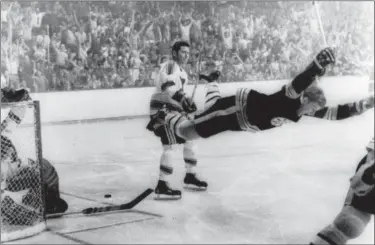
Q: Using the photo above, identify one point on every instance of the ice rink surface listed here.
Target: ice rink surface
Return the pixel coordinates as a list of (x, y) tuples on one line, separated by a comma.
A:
[(280, 186)]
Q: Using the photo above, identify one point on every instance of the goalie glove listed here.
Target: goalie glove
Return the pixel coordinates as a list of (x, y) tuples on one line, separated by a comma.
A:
[(369, 102), (363, 105), (187, 103), (324, 58), (11, 95)]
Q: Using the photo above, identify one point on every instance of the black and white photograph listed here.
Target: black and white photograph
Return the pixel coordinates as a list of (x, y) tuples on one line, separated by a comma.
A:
[(187, 122)]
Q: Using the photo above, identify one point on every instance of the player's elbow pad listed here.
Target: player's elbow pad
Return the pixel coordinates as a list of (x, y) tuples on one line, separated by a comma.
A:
[(167, 80), (167, 85)]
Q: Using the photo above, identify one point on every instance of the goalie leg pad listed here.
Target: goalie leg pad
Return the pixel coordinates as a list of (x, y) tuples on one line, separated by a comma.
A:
[(16, 214)]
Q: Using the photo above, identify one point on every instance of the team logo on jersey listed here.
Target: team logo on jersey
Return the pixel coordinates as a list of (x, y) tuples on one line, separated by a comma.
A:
[(279, 121), (183, 80)]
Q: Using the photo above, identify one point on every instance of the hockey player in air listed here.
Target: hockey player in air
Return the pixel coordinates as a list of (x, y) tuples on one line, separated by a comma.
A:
[(23, 192), (358, 208), (249, 110), (170, 94)]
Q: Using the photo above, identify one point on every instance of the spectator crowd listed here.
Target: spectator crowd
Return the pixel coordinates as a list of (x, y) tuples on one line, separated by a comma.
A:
[(79, 45)]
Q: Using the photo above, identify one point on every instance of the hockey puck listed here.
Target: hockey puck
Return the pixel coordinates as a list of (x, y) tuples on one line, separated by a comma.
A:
[(107, 195)]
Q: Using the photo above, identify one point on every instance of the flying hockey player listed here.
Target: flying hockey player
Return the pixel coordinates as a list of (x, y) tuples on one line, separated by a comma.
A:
[(22, 189), (358, 208), (170, 94), (249, 110)]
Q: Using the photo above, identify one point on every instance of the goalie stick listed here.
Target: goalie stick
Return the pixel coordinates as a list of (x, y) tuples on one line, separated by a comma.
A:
[(94, 210)]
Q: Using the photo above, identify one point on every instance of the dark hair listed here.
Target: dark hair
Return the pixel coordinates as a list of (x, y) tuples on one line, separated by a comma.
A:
[(177, 46)]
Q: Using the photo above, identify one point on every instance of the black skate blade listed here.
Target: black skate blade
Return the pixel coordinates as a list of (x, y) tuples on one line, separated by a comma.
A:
[(163, 197), (194, 187)]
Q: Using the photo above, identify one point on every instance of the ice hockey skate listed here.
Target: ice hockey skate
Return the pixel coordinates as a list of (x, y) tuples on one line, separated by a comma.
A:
[(164, 192), (191, 182)]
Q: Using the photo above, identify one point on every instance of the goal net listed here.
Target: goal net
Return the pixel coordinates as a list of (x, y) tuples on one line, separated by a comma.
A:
[(22, 195)]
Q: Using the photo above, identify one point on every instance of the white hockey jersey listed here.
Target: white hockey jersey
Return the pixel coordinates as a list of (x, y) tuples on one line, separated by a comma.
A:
[(170, 79), (171, 76)]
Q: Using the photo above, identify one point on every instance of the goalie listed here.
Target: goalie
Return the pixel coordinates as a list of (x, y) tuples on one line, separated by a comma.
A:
[(22, 189), (358, 208)]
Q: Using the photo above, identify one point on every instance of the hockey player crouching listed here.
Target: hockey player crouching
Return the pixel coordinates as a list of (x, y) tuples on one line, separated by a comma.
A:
[(170, 94), (22, 188), (358, 208), (250, 110)]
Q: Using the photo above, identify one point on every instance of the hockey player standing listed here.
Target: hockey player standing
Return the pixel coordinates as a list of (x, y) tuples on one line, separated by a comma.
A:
[(249, 110), (358, 208), (170, 94)]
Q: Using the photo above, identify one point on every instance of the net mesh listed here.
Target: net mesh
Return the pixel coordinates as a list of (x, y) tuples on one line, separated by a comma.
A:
[(22, 197)]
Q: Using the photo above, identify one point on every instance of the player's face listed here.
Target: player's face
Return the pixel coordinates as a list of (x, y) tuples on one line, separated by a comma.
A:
[(309, 107), (183, 55)]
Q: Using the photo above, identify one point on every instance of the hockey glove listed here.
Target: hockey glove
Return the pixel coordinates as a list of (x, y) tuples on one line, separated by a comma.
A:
[(210, 78), (11, 95), (369, 102), (187, 103), (363, 105), (323, 59), (157, 120)]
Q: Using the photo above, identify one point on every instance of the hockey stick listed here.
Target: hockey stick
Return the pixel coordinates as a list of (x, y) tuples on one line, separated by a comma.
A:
[(320, 23), (199, 69), (94, 210)]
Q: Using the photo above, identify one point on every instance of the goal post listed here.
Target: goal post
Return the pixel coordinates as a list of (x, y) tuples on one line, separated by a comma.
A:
[(23, 207)]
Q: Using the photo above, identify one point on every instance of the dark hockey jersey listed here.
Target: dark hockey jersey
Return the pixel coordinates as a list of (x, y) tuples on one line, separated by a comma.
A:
[(269, 111), (253, 111)]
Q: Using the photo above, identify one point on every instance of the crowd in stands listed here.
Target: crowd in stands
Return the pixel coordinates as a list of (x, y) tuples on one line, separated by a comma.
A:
[(79, 45)]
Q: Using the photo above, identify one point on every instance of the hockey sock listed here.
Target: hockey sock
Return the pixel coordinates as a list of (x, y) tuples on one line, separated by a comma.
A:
[(189, 157), (166, 167), (212, 95)]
